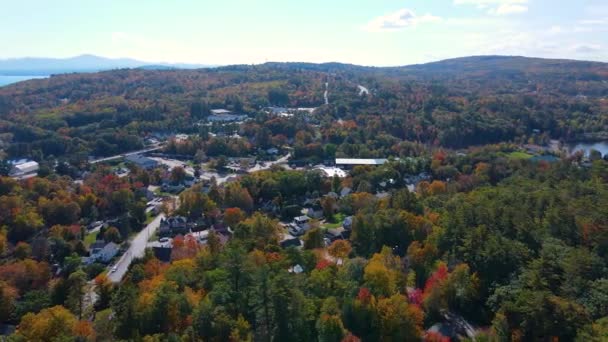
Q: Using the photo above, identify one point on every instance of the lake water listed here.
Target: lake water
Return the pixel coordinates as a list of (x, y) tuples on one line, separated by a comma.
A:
[(5, 80), (601, 146)]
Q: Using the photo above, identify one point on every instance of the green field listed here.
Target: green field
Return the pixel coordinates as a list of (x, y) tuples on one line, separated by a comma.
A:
[(519, 155), (89, 239)]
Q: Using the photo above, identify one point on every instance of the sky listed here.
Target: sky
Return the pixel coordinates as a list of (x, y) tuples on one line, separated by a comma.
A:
[(365, 32)]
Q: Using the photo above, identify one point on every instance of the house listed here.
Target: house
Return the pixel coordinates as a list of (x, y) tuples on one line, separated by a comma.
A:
[(122, 172), (226, 118), (334, 234), (142, 161), (332, 171), (103, 252), (348, 223), (173, 225), (272, 150), (299, 226), (297, 269), (301, 220), (224, 115), (23, 167), (315, 212), (222, 232), (290, 241), (350, 162)]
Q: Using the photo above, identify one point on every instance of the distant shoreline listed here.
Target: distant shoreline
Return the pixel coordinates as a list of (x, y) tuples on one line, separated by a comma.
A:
[(10, 79)]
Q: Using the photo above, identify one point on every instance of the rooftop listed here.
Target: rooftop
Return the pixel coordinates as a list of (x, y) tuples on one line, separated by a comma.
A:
[(356, 161)]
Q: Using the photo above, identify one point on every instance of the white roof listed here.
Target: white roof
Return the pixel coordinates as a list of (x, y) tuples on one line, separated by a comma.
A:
[(27, 165), (332, 171), (220, 111), (355, 161)]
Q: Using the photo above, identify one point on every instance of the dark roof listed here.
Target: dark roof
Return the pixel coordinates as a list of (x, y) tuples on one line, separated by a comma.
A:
[(163, 253), (295, 242)]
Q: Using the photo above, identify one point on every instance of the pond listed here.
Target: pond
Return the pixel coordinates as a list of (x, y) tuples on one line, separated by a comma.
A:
[(601, 146)]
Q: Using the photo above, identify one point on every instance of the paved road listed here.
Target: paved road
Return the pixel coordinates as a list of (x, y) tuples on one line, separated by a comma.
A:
[(119, 156), (362, 90), (136, 250), (259, 167)]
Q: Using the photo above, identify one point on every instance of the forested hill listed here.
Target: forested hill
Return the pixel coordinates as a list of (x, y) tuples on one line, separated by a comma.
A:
[(453, 103), (504, 64)]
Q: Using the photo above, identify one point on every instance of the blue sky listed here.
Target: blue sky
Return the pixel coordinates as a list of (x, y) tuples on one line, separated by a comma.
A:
[(367, 32)]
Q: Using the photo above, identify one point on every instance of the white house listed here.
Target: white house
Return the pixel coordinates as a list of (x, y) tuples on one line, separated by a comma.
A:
[(103, 253)]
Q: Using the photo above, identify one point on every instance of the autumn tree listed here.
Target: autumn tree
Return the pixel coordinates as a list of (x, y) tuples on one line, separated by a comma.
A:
[(232, 216), (398, 320), (52, 324), (339, 249)]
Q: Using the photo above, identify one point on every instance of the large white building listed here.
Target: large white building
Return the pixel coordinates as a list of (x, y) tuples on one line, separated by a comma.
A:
[(142, 161), (24, 167), (355, 161)]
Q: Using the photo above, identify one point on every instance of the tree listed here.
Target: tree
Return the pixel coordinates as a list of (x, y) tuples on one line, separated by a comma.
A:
[(379, 278), (8, 295), (178, 174), (278, 97), (328, 204), (398, 320), (260, 230), (22, 250), (77, 283), (112, 235), (339, 249), (125, 315), (232, 216), (52, 324), (103, 289), (329, 324), (313, 238)]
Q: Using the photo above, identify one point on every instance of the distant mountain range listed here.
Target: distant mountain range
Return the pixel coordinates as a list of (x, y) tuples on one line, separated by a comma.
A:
[(85, 63)]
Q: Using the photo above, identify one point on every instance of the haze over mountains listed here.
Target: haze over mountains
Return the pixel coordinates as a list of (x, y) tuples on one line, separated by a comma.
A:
[(83, 63)]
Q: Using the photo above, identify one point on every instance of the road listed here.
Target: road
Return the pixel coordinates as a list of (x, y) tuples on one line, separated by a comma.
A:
[(362, 90), (258, 167), (136, 250), (119, 156)]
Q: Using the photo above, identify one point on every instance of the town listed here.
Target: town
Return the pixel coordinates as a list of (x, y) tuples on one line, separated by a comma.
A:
[(305, 202)]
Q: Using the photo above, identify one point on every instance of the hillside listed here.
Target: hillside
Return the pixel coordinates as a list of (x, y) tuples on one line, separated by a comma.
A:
[(453, 103)]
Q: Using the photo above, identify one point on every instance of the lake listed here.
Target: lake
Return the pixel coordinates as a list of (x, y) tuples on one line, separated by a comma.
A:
[(5, 80), (601, 146)]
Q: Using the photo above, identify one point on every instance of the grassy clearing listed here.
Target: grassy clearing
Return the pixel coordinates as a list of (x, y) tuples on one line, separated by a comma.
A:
[(337, 222), (89, 239), (519, 155)]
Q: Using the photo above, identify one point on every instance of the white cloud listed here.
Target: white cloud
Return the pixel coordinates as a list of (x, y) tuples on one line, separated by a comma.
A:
[(507, 9), (586, 48), (497, 7), (398, 20)]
